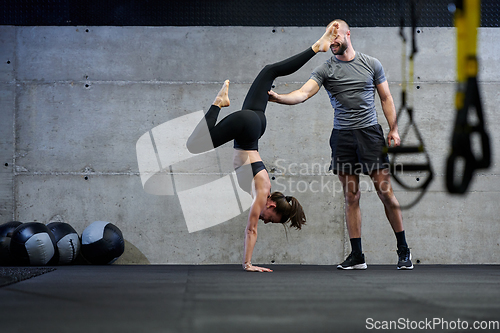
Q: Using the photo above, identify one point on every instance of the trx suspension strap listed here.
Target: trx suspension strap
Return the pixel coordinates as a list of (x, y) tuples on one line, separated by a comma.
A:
[(467, 99), (397, 169)]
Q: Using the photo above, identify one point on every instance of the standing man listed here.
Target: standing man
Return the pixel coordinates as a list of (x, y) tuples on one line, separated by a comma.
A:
[(351, 79)]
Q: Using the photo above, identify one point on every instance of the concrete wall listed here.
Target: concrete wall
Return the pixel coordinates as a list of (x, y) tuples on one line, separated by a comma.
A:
[(75, 100)]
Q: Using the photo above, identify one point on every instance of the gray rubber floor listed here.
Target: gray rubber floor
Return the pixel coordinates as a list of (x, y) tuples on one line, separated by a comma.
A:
[(224, 298)]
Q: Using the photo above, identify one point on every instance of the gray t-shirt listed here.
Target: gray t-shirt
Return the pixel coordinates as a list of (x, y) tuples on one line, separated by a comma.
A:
[(351, 87)]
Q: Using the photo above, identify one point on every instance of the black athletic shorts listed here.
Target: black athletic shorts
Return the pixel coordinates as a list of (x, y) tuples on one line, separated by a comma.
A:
[(358, 151)]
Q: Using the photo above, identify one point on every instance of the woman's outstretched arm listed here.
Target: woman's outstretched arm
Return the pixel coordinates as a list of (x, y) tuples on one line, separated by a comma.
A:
[(261, 193)]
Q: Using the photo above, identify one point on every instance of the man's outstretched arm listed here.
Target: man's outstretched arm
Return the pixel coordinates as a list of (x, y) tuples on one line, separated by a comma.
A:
[(308, 90)]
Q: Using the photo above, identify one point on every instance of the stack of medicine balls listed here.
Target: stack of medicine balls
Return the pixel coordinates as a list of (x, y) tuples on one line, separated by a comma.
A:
[(57, 243)]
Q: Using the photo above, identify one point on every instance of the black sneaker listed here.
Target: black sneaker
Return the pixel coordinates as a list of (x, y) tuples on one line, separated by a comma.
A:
[(353, 261), (404, 261)]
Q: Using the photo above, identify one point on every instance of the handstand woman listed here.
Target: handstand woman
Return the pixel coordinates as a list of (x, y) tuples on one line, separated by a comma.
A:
[(246, 127)]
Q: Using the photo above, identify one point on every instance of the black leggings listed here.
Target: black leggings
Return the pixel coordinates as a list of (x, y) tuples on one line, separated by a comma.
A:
[(245, 127)]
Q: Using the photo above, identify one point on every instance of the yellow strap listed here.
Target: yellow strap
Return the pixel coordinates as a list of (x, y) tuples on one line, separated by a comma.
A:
[(467, 20)]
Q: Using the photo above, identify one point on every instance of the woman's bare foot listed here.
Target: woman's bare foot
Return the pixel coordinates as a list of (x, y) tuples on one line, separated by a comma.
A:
[(324, 43), (222, 98)]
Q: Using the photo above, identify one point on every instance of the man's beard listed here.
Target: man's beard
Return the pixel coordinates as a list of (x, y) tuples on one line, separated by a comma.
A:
[(341, 49)]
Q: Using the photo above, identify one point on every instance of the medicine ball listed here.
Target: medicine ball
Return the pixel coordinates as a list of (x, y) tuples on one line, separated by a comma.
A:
[(102, 243), (6, 231), (33, 243), (67, 241)]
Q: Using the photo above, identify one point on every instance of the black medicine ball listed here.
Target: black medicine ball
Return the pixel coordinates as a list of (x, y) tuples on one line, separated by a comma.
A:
[(102, 243), (6, 231), (34, 244)]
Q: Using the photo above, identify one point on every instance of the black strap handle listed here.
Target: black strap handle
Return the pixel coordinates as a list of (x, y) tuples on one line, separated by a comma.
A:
[(397, 169), (461, 143)]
